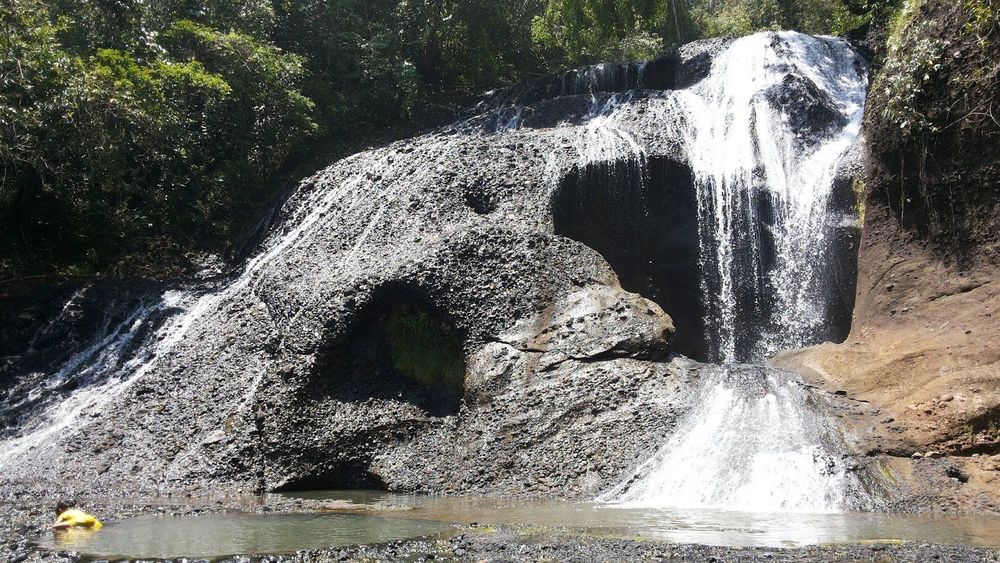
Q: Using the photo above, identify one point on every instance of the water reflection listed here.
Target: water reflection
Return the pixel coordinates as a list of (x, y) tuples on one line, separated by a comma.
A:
[(217, 535), (376, 517), (68, 538), (704, 526)]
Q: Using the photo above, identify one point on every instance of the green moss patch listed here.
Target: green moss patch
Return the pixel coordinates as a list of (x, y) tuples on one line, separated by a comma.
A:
[(426, 350)]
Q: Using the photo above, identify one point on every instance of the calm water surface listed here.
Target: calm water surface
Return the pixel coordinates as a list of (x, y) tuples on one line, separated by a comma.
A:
[(217, 535), (388, 517)]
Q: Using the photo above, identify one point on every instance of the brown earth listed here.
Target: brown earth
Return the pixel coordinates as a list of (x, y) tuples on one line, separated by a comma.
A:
[(924, 354), (924, 347), (922, 361)]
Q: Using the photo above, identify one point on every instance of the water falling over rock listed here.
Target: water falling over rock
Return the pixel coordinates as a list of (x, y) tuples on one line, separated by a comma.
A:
[(757, 441), (568, 381), (766, 131)]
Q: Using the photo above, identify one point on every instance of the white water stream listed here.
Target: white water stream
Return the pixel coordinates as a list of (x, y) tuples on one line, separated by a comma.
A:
[(756, 439), (740, 145)]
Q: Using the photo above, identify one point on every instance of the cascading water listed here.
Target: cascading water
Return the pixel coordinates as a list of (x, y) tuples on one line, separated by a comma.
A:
[(764, 186), (757, 440), (114, 359), (121, 355)]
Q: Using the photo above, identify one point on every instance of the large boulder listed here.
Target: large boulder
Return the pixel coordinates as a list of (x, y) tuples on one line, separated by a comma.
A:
[(293, 372)]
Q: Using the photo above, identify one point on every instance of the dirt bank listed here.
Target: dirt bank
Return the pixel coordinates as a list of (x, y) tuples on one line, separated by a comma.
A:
[(923, 354)]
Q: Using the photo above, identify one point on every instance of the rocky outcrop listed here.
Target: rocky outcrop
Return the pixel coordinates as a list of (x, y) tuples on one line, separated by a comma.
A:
[(643, 219), (49, 332), (923, 357), (248, 385)]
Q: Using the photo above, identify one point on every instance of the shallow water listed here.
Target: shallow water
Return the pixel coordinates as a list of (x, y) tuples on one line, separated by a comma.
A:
[(382, 517), (217, 535), (710, 527)]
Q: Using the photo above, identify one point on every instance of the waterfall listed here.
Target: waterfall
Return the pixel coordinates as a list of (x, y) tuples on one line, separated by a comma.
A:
[(114, 359), (762, 134), (764, 185), (121, 355), (764, 162)]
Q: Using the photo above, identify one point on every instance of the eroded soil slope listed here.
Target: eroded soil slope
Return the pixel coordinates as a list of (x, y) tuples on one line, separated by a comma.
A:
[(924, 349)]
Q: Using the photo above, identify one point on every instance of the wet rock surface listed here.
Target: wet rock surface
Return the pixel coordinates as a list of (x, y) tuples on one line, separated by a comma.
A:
[(567, 370), (49, 331), (570, 380)]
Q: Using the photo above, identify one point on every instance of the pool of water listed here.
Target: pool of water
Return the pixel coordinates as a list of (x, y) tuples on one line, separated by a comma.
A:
[(217, 535), (710, 527), (374, 517)]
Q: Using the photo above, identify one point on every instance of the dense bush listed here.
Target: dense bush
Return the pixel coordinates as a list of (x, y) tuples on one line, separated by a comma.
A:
[(111, 153), (932, 110)]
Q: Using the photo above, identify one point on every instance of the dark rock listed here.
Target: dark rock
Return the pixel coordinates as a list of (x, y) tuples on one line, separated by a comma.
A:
[(810, 111)]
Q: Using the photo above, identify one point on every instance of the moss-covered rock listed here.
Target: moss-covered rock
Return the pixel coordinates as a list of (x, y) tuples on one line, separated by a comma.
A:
[(426, 350)]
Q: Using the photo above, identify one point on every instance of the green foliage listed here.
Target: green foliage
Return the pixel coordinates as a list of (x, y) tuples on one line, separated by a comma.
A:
[(468, 42), (585, 31), (255, 18), (358, 71), (112, 154), (739, 17), (90, 25), (32, 71), (914, 61), (984, 20), (825, 17), (903, 81), (870, 7), (426, 350), (742, 17), (900, 19), (267, 117), (125, 148)]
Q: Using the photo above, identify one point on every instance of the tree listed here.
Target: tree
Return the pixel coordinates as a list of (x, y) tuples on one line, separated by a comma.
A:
[(586, 31)]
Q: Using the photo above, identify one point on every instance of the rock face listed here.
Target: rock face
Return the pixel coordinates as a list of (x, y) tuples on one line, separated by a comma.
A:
[(49, 333), (258, 382), (649, 236)]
